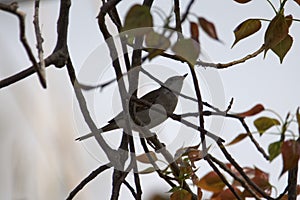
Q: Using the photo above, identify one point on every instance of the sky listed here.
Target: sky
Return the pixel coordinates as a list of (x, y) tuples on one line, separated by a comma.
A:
[(39, 157)]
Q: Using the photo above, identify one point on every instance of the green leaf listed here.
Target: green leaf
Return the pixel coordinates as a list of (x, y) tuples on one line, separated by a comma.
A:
[(277, 30), (138, 16), (188, 49), (283, 47), (245, 29), (157, 42), (238, 138), (264, 123), (274, 150)]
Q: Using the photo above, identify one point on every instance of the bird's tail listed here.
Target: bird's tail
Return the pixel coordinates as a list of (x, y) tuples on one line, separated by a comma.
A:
[(111, 126)]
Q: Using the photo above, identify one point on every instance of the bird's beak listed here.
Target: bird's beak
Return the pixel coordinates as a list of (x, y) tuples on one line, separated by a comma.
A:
[(185, 75)]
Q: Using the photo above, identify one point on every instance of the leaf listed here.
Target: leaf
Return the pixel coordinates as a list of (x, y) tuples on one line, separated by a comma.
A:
[(261, 179), (228, 195), (199, 194), (143, 158), (277, 30), (238, 138), (297, 1), (211, 182), (283, 47), (208, 28), (242, 1), (289, 20), (159, 43), (194, 31), (148, 170), (253, 111), (188, 49), (181, 195), (290, 151), (298, 118), (274, 150), (245, 29), (138, 16), (264, 123)]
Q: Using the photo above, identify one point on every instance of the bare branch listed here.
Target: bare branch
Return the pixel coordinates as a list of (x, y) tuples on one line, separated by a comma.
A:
[(39, 40), (88, 179), (13, 9), (230, 64)]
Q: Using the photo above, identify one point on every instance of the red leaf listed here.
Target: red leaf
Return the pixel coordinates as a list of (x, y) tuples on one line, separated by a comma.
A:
[(242, 1), (194, 31), (208, 27), (290, 151), (253, 111)]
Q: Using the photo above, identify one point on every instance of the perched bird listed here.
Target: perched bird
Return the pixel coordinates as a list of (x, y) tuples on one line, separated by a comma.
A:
[(162, 100)]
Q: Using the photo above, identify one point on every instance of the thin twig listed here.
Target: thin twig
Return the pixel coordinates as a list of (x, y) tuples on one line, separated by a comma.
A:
[(229, 64), (13, 9), (183, 18), (200, 109), (39, 40), (88, 179)]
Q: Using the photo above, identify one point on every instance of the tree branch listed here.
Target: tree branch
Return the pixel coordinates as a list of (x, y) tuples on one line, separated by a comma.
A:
[(13, 9), (88, 179)]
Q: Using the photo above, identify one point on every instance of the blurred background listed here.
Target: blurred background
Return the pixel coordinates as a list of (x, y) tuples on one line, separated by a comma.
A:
[(39, 157)]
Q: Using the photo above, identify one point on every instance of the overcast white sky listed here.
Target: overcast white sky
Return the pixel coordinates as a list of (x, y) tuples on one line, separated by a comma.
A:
[(39, 158)]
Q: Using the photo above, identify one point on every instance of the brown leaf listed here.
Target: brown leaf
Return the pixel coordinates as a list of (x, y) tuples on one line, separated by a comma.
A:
[(199, 194), (253, 111), (242, 1), (228, 195), (208, 28), (181, 195), (145, 159), (277, 30), (298, 118), (194, 31), (290, 151), (289, 20), (283, 47), (211, 182), (245, 29), (238, 138)]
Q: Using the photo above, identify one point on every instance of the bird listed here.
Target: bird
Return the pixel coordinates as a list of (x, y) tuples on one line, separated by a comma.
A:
[(162, 100)]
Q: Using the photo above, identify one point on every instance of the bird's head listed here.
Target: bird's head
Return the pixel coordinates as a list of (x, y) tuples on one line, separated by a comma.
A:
[(175, 83)]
